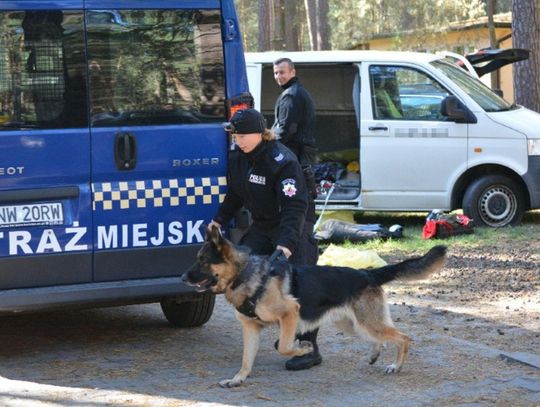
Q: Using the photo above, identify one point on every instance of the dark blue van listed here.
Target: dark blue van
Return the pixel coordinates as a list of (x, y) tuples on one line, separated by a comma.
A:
[(112, 153)]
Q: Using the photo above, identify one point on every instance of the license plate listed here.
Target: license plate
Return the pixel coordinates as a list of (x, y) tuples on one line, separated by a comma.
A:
[(32, 214)]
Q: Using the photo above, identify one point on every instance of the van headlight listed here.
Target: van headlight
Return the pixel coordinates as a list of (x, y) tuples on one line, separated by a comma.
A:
[(534, 147)]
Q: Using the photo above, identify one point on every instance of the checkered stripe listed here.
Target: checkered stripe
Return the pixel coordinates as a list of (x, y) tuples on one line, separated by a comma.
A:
[(158, 193)]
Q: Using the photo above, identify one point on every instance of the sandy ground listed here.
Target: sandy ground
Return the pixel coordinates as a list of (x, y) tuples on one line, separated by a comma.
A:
[(463, 321)]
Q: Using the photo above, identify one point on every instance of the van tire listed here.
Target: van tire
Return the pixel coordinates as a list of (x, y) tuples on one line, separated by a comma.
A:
[(495, 201), (188, 314)]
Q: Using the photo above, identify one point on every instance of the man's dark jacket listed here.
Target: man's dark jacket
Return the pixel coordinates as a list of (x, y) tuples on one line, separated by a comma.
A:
[(295, 117)]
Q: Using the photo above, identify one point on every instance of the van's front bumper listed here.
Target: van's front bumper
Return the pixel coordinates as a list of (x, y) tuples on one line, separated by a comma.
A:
[(532, 180), (93, 294)]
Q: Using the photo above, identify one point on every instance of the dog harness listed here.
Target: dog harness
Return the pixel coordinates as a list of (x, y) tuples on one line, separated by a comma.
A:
[(247, 308)]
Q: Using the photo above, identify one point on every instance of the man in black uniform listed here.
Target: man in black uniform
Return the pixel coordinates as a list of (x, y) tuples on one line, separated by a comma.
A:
[(295, 125), (294, 113), (265, 177)]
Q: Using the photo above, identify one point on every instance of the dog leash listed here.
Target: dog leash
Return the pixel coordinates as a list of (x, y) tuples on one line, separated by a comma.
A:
[(277, 255), (324, 207)]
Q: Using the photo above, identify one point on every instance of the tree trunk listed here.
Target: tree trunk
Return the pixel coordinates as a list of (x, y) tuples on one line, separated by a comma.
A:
[(323, 29), (292, 26), (278, 33), (526, 34), (264, 25), (317, 18), (311, 17)]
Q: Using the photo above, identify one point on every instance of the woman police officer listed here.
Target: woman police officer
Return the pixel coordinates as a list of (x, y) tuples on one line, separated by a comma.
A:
[(265, 177)]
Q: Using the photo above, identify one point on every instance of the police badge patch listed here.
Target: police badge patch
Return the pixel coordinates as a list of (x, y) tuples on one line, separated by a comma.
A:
[(289, 187)]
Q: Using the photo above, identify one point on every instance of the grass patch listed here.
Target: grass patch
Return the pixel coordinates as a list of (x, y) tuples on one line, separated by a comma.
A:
[(413, 222)]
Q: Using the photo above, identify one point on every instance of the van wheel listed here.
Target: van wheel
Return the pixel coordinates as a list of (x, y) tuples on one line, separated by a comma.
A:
[(188, 314), (494, 200)]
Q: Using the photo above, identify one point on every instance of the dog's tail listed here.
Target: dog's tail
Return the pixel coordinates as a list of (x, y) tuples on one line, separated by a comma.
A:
[(417, 268)]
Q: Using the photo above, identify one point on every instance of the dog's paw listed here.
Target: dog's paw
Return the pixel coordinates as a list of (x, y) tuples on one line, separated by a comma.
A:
[(393, 368), (227, 384)]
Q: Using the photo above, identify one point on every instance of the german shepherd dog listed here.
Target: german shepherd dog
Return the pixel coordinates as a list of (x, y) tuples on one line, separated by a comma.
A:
[(300, 299)]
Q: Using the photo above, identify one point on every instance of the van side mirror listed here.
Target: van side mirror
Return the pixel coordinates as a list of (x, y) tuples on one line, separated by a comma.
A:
[(455, 110)]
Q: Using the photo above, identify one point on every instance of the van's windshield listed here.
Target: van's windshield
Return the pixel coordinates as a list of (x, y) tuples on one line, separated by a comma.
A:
[(480, 93)]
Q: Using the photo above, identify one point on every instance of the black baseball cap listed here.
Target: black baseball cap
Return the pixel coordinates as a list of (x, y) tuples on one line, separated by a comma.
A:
[(246, 121)]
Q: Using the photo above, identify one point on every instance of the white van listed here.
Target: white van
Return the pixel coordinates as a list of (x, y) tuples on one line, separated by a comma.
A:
[(402, 131)]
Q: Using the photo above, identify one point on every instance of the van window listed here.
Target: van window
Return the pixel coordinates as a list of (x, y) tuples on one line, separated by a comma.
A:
[(480, 93), (402, 93), (155, 67), (42, 70)]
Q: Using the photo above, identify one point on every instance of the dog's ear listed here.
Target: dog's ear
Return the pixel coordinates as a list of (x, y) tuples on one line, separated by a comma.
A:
[(213, 234), (208, 236)]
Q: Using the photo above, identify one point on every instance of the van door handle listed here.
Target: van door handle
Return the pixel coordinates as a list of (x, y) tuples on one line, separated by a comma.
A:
[(125, 151), (377, 128)]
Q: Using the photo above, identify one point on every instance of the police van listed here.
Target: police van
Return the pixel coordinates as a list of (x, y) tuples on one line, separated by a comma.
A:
[(112, 151), (403, 131)]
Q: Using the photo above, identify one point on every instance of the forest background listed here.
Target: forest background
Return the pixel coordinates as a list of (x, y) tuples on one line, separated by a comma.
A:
[(348, 24)]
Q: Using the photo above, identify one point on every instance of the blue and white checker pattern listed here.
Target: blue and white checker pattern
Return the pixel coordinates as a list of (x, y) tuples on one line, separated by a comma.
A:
[(158, 193)]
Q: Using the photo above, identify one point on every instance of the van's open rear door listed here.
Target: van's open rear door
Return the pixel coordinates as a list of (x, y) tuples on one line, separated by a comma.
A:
[(488, 60)]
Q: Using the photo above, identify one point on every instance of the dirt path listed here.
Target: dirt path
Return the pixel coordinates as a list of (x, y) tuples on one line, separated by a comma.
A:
[(481, 306)]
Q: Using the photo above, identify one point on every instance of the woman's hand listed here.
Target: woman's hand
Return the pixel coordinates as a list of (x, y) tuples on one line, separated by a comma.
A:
[(285, 251)]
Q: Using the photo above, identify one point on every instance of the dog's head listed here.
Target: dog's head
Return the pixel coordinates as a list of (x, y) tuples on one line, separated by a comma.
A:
[(218, 264)]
